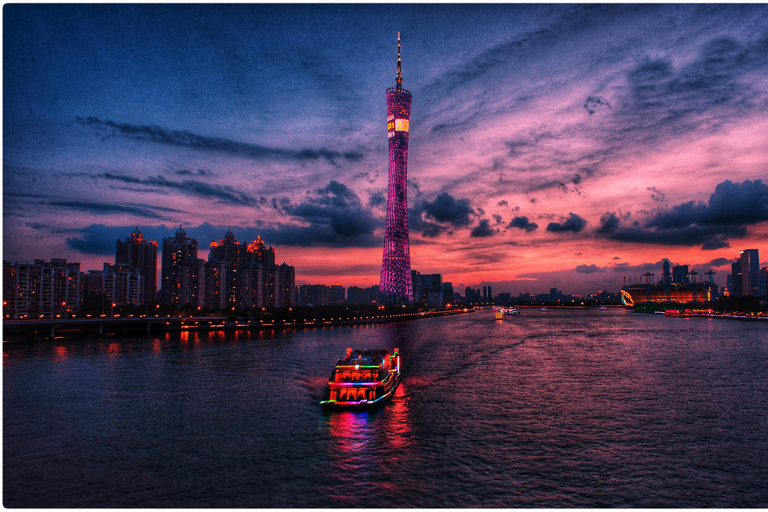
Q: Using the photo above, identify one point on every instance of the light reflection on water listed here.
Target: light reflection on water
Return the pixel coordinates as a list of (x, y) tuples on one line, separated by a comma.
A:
[(564, 408)]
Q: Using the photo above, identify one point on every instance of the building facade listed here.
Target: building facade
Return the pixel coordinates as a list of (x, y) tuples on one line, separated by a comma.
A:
[(121, 285), (750, 273), (43, 289), (192, 282), (232, 253), (141, 254), (175, 249)]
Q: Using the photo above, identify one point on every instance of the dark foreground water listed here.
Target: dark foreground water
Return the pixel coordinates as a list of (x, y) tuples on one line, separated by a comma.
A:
[(558, 409)]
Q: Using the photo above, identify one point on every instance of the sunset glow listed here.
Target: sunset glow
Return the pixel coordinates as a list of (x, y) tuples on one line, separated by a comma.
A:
[(560, 146)]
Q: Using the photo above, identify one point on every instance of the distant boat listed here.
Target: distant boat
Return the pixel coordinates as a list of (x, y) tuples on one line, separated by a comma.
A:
[(602, 308), (544, 308)]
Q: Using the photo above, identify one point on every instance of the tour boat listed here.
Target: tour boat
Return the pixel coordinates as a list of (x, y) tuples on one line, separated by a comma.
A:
[(363, 379)]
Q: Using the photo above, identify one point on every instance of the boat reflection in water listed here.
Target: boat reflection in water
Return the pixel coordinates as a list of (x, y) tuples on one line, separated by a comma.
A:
[(363, 379), (367, 449)]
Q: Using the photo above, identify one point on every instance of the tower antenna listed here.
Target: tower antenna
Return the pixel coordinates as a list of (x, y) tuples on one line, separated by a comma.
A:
[(399, 75)]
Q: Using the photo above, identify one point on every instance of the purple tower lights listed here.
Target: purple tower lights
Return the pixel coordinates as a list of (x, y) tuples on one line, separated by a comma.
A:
[(396, 285)]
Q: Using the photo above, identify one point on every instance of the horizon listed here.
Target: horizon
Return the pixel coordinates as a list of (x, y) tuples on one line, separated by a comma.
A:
[(551, 146)]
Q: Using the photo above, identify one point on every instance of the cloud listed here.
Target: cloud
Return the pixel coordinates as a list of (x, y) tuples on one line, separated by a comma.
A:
[(522, 223), (730, 204), (483, 229), (718, 262), (731, 207), (713, 244), (664, 101), (222, 193), (417, 223), (376, 198), (116, 209), (643, 267), (656, 194), (574, 223), (609, 222), (200, 172), (335, 217), (367, 176), (503, 202), (443, 215), (447, 209), (595, 103), (98, 239), (588, 269), (183, 138)]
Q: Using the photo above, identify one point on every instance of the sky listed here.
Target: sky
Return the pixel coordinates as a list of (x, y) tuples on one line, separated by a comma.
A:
[(567, 146)]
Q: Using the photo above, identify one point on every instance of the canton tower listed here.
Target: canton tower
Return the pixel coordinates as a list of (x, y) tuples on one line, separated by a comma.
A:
[(396, 285)]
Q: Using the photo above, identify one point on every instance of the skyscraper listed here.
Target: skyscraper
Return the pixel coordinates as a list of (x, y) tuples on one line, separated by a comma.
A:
[(750, 269), (232, 254), (396, 285), (141, 254), (174, 250), (736, 280), (680, 274)]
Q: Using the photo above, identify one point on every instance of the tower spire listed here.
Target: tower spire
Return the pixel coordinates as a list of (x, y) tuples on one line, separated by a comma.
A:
[(399, 76)]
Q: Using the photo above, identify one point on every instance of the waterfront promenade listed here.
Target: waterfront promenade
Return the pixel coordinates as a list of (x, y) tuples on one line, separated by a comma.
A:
[(54, 328)]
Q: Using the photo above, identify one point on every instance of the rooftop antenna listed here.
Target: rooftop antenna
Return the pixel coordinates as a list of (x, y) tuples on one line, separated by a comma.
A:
[(399, 76)]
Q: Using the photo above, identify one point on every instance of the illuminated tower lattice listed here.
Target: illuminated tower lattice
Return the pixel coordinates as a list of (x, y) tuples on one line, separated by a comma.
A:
[(396, 285)]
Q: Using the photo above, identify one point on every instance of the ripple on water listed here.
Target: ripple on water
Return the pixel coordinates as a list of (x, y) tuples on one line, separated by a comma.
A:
[(558, 409)]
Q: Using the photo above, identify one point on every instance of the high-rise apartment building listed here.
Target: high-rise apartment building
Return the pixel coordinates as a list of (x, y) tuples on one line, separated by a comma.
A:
[(175, 250), (336, 294), (357, 295), (232, 253), (396, 285), (215, 272), (192, 282), (41, 289), (122, 285), (142, 255), (258, 253), (285, 286)]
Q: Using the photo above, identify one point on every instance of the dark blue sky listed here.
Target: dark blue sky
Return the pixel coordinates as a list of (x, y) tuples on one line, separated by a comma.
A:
[(549, 143)]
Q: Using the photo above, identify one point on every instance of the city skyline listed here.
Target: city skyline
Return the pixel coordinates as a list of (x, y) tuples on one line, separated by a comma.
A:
[(554, 145)]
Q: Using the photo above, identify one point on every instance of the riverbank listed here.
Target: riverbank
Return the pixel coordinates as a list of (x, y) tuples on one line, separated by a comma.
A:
[(80, 328)]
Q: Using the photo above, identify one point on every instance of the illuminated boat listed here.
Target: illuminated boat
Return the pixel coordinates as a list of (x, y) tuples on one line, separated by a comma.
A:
[(499, 315), (363, 379)]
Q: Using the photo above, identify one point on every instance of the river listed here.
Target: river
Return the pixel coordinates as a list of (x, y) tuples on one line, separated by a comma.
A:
[(565, 408)]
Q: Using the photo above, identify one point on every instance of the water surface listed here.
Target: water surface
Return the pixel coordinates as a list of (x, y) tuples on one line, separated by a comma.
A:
[(565, 408)]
